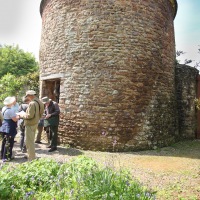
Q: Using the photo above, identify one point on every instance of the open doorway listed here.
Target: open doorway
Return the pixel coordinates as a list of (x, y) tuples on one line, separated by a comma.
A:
[(51, 88)]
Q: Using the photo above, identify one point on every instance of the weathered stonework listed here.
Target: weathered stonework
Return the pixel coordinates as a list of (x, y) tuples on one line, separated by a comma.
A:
[(115, 61), (186, 91)]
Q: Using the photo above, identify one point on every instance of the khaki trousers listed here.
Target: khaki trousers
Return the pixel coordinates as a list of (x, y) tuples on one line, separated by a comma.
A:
[(39, 133), (30, 141)]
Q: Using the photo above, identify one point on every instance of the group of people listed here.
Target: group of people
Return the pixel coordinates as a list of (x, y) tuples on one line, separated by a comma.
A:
[(32, 116)]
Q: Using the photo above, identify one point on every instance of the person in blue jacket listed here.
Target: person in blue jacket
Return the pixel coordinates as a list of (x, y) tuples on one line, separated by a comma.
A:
[(8, 129)]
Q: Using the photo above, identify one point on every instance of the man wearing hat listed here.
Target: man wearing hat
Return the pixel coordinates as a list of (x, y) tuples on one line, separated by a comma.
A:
[(31, 118), (51, 121)]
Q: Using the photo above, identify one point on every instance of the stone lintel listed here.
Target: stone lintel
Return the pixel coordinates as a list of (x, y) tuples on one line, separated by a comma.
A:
[(51, 76)]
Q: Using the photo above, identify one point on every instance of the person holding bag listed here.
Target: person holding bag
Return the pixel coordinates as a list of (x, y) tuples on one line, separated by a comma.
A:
[(31, 118), (51, 121)]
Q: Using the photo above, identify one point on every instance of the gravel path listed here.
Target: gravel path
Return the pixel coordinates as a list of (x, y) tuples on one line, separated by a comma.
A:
[(174, 172)]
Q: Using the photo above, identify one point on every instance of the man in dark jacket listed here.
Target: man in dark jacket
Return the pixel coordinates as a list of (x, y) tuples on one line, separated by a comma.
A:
[(23, 107), (51, 121)]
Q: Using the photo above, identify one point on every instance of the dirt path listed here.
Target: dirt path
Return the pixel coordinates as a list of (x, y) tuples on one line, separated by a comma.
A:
[(174, 172)]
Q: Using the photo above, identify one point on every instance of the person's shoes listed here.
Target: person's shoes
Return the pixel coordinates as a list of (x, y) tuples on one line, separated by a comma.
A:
[(52, 149), (49, 146), (5, 160), (38, 142)]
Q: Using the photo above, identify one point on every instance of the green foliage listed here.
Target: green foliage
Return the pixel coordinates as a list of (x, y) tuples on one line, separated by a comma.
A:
[(197, 103), (19, 181), (30, 81), (18, 72), (11, 85), (80, 179), (15, 61)]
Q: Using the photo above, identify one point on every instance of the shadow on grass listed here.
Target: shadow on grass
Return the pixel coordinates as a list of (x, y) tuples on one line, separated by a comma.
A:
[(41, 151), (187, 148), (60, 151)]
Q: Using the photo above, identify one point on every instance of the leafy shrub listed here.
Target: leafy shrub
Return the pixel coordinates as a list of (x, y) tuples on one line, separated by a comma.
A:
[(81, 178)]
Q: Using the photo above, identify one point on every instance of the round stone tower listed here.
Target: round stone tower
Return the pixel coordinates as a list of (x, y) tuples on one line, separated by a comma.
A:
[(110, 64)]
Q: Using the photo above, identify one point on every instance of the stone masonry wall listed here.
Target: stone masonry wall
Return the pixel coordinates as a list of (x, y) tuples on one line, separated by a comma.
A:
[(115, 61), (186, 87)]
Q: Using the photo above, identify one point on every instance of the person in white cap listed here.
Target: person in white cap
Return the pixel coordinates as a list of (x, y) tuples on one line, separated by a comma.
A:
[(8, 129), (31, 117), (15, 105)]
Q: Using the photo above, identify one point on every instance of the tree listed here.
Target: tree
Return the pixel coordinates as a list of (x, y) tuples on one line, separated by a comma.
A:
[(9, 85), (30, 81), (19, 72), (12, 85), (14, 60)]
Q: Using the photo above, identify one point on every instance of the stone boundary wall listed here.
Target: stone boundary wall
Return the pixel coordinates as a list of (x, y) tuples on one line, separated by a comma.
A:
[(186, 91), (115, 61)]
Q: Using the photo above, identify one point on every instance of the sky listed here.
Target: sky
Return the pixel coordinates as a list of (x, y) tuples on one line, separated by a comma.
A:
[(187, 30), (20, 24)]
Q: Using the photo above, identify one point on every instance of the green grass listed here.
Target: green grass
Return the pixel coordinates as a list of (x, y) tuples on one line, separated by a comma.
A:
[(81, 179)]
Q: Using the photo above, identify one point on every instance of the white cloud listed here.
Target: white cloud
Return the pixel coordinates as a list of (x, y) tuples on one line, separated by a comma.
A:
[(20, 23)]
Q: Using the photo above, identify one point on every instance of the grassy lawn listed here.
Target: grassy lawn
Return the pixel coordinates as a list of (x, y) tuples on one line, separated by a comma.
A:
[(172, 173)]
